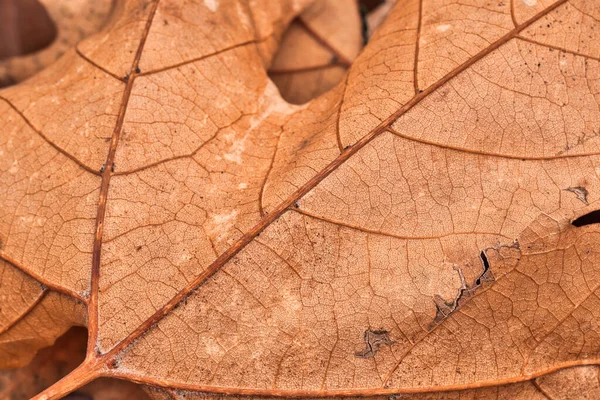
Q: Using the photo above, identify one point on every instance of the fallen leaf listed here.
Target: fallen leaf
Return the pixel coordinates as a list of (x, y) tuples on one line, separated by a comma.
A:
[(317, 49), (217, 240)]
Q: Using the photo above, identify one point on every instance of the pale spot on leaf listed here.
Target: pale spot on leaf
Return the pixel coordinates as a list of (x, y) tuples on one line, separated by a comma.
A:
[(212, 5)]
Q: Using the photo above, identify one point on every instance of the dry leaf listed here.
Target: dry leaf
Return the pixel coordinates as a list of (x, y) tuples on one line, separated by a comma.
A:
[(317, 49), (426, 229)]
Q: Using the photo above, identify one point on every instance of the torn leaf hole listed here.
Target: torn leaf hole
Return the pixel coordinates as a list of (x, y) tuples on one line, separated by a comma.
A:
[(587, 219), (486, 267), (323, 64), (465, 291)]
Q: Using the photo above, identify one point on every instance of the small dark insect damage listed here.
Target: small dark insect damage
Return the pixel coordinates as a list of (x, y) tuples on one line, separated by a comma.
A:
[(445, 308), (580, 192), (374, 339)]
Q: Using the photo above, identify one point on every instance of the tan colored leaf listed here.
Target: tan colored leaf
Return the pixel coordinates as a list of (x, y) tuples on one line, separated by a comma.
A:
[(426, 229), (316, 50)]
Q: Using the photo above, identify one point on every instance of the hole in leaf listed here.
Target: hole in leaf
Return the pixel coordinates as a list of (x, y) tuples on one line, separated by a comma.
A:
[(320, 45), (25, 27), (486, 266), (316, 50), (587, 219)]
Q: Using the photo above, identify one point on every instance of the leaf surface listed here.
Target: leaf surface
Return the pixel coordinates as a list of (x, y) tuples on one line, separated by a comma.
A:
[(427, 227)]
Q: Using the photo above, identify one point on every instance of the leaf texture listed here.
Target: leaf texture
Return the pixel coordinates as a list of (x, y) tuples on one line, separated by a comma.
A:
[(427, 228)]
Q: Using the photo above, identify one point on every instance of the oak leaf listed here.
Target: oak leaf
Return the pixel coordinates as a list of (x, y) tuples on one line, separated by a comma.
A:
[(428, 228), (317, 49)]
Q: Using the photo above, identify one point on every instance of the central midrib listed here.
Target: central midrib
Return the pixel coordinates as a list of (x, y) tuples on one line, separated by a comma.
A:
[(107, 174)]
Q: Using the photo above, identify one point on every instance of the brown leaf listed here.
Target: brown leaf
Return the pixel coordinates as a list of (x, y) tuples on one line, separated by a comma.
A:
[(427, 228), (317, 49)]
